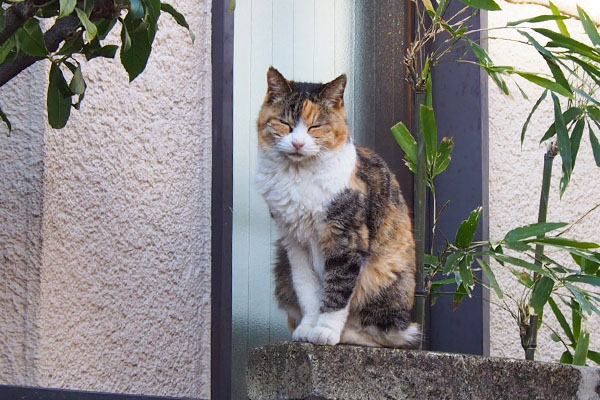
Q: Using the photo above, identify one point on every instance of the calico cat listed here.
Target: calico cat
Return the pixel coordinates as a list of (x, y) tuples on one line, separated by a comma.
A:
[(346, 257)]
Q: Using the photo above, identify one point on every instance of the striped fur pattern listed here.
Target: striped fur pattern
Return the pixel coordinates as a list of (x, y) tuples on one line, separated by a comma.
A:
[(346, 256)]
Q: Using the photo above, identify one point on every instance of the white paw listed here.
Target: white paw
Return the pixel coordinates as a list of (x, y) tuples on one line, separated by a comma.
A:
[(300, 334), (323, 335)]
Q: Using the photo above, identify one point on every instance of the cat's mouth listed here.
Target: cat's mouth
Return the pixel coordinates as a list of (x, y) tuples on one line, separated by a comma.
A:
[(296, 155)]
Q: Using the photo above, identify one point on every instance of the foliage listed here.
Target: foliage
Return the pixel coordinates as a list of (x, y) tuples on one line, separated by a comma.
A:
[(574, 77), (80, 29)]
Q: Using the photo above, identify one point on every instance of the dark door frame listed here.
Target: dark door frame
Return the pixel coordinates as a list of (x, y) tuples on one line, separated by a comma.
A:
[(466, 183)]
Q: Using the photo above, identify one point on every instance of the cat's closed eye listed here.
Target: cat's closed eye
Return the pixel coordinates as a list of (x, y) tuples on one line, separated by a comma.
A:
[(279, 127)]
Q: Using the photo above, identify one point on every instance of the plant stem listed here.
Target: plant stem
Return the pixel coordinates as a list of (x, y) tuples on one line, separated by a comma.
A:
[(420, 209), (529, 342)]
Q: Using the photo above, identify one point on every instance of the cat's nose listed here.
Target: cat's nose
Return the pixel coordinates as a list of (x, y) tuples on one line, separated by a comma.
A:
[(297, 145)]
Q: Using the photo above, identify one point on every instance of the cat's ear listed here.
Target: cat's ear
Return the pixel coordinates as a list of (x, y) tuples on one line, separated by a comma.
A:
[(278, 86), (333, 92)]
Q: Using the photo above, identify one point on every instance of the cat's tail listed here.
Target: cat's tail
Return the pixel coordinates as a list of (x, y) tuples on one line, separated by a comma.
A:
[(375, 337)]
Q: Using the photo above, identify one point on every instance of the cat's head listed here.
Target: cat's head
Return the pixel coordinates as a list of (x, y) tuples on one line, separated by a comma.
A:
[(301, 121)]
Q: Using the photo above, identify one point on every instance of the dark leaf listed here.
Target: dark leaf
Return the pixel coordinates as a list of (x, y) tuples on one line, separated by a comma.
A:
[(589, 279), (564, 145), (177, 16), (460, 294), (467, 229), (546, 83), (535, 107), (521, 263), (7, 48), (451, 262), (482, 4), (576, 318), (557, 73), (559, 40), (443, 158), (30, 39), (71, 46), (485, 267), (136, 9), (136, 57), (594, 356), (104, 27), (430, 132), (465, 273), (566, 358), (564, 242), (59, 105), (561, 319), (576, 139), (595, 146), (5, 120)]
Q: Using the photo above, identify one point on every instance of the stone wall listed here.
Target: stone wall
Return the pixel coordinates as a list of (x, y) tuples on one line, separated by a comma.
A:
[(105, 225)]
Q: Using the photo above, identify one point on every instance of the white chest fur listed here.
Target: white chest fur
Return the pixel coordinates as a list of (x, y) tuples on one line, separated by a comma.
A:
[(298, 193)]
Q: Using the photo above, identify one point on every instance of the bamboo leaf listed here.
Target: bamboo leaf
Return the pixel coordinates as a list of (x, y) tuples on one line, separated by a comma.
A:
[(536, 19), (557, 73), (527, 231), (589, 26), (443, 158), (490, 5), (451, 262), (564, 145), (546, 83), (535, 107), (467, 229), (460, 294), (559, 40), (576, 139), (521, 263), (541, 293), (589, 279), (595, 146), (561, 319), (560, 23), (568, 116), (405, 140), (563, 242), (465, 273), (485, 267), (581, 350), (430, 132), (576, 318), (581, 299), (566, 358), (594, 356)]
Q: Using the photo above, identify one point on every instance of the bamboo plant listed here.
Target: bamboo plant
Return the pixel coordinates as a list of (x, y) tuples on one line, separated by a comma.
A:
[(575, 76)]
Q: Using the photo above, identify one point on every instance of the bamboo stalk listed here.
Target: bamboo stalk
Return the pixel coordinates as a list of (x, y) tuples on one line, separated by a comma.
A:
[(420, 211), (530, 340)]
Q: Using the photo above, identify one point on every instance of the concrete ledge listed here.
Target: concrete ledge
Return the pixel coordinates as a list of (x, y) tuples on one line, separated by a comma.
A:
[(305, 371)]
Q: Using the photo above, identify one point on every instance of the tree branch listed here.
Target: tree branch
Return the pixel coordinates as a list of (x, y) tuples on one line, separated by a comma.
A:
[(60, 31), (547, 5), (17, 15)]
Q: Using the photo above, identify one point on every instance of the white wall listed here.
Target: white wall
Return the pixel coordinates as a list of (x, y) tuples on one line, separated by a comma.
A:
[(105, 246), (516, 174)]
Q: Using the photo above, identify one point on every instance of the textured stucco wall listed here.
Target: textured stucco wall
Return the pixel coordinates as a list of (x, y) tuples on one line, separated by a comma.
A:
[(105, 226), (516, 174)]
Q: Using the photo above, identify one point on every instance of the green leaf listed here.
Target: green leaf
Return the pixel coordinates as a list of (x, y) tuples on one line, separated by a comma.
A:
[(31, 39), (595, 146), (589, 68), (460, 294), (527, 231), (430, 132), (564, 145), (177, 16), (521, 263), (524, 278), (405, 140), (443, 158), (557, 73), (58, 103), (589, 279), (66, 7), (561, 319), (125, 38), (555, 337), (535, 107), (7, 48), (90, 29), (465, 273), (136, 9), (485, 267), (107, 51), (104, 27), (490, 5), (566, 358), (541, 49), (5, 120), (546, 83), (136, 57), (581, 298), (430, 260), (581, 350), (467, 229), (231, 6), (71, 46), (594, 356), (2, 18), (589, 26), (576, 318), (560, 23), (563, 242), (576, 139), (451, 262), (541, 293), (77, 84), (429, 91), (566, 42), (536, 19), (568, 116)]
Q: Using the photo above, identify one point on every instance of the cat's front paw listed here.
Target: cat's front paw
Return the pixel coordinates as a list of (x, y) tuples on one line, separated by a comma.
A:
[(323, 335), (301, 333)]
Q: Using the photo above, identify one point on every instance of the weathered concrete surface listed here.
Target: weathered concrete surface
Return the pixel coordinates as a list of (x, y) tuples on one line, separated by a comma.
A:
[(306, 371)]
